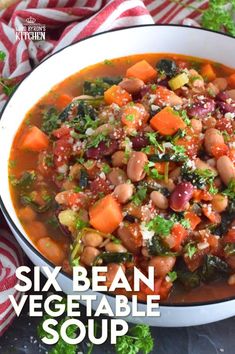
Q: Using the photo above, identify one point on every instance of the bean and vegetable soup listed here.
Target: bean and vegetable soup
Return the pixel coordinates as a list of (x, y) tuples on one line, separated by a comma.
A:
[(131, 162)]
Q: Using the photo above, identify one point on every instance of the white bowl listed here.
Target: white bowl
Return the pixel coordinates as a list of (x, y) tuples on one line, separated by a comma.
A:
[(142, 39)]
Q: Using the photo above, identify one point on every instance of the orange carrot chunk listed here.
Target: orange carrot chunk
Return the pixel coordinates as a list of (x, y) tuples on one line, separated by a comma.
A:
[(116, 94), (142, 70), (231, 81), (63, 101), (34, 140), (106, 214), (133, 116), (167, 122), (208, 72)]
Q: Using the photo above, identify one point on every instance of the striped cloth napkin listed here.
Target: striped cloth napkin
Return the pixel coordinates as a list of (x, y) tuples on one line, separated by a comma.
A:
[(66, 22)]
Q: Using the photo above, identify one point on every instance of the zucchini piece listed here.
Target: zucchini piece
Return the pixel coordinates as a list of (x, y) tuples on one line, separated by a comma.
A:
[(178, 81)]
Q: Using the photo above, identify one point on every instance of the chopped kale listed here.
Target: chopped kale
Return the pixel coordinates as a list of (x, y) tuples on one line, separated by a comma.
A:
[(50, 120)]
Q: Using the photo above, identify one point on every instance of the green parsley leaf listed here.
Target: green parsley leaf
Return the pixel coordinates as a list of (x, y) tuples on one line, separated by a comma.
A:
[(230, 190), (139, 196), (160, 225), (172, 276), (190, 250), (138, 339), (80, 224), (96, 140), (50, 120), (106, 168)]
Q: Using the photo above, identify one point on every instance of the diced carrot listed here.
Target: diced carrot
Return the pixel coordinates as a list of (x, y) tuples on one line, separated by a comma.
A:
[(142, 70), (208, 72), (231, 80), (63, 101), (167, 122), (116, 94), (212, 215), (106, 214), (160, 167), (179, 233), (133, 116), (51, 250), (34, 139), (193, 219), (218, 150)]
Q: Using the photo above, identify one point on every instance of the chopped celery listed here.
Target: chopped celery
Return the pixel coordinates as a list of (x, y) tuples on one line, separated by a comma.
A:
[(178, 81)]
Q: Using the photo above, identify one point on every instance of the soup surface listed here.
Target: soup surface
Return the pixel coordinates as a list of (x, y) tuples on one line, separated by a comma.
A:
[(131, 162)]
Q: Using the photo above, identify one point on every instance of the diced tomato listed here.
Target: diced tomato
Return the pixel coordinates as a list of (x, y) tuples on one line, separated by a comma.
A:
[(230, 236), (165, 289), (179, 233), (99, 186), (231, 155), (199, 195), (76, 199), (218, 150), (212, 215), (193, 219), (224, 124), (134, 116), (190, 143), (61, 132), (62, 151)]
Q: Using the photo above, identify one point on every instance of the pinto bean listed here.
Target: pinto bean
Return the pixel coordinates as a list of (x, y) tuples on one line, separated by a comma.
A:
[(201, 165), (92, 238), (181, 196), (135, 166), (131, 237), (221, 83), (27, 214), (132, 85), (196, 125), (117, 176), (123, 192), (231, 94), (88, 255), (159, 200), (209, 122), (219, 202), (175, 173), (115, 247), (226, 169), (212, 137), (119, 159), (162, 265)]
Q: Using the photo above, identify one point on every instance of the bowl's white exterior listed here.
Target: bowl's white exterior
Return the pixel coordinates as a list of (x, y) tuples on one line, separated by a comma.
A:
[(144, 39)]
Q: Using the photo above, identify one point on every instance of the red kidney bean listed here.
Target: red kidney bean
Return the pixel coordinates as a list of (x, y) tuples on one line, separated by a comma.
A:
[(225, 107), (139, 142), (201, 109), (103, 149), (100, 185), (222, 96), (181, 195)]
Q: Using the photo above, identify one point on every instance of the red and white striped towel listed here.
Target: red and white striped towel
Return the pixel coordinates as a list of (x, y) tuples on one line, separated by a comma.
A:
[(10, 258), (67, 21)]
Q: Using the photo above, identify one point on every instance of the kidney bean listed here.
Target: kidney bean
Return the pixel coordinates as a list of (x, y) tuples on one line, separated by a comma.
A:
[(225, 107), (212, 137), (201, 109), (99, 185), (162, 265), (103, 149), (181, 195), (132, 85), (222, 96), (226, 169), (135, 166), (139, 141)]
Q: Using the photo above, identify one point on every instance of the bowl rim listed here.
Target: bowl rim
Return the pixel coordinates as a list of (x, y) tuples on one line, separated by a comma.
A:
[(21, 235)]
